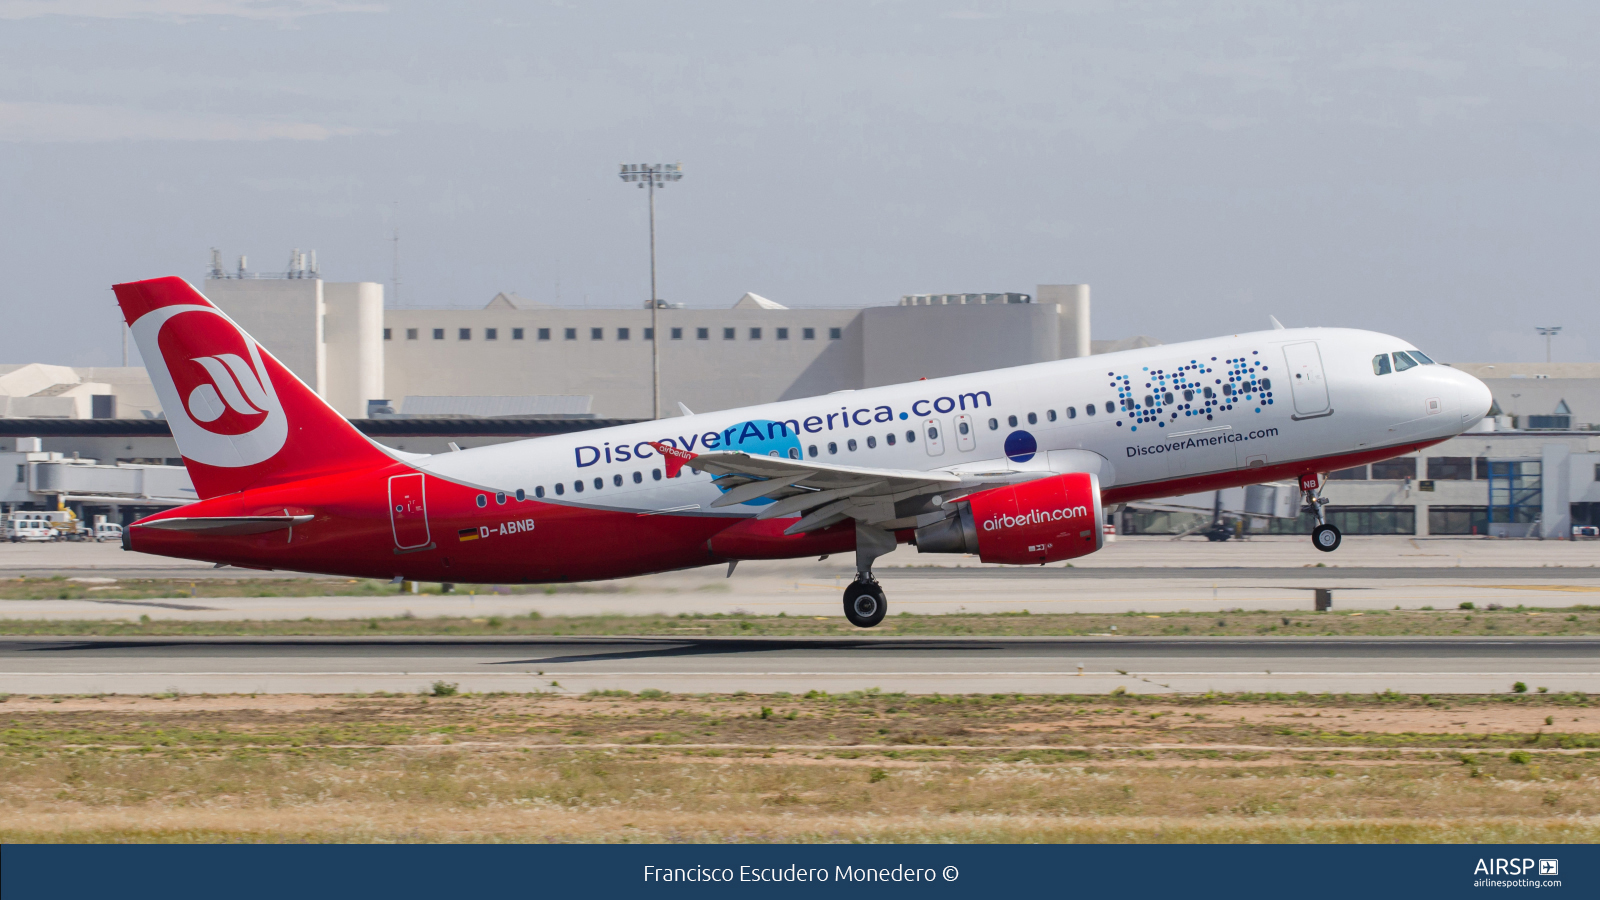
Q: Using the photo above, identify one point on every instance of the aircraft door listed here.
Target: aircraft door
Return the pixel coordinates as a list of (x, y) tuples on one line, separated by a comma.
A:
[(933, 436), (1306, 381), (408, 511), (966, 433)]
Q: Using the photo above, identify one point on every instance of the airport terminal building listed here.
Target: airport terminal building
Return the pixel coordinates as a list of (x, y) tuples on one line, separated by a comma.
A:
[(420, 379)]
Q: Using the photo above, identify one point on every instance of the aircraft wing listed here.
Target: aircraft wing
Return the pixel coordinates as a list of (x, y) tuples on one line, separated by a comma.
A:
[(823, 493)]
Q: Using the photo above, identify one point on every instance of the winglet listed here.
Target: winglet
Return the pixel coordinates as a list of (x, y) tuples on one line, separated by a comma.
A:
[(1276, 325), (675, 458)]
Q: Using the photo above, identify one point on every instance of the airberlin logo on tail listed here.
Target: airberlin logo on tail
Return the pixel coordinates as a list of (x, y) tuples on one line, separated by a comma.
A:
[(1035, 517), (231, 381), (213, 386)]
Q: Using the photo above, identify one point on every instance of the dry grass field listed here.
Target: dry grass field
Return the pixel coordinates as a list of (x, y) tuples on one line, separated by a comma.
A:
[(858, 767)]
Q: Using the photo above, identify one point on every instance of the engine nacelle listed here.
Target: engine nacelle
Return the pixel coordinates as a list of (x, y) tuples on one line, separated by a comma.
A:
[(1032, 523)]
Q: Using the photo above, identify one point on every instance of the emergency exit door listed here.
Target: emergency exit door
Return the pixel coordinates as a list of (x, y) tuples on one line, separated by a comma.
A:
[(1306, 382), (408, 511)]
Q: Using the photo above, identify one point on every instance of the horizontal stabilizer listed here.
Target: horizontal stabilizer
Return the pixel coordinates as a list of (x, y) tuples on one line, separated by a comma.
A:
[(227, 525)]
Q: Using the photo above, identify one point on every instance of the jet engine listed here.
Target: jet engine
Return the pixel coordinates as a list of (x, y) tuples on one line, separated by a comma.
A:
[(1032, 523)]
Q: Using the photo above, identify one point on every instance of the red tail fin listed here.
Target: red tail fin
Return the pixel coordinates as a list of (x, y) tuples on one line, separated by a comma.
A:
[(240, 417)]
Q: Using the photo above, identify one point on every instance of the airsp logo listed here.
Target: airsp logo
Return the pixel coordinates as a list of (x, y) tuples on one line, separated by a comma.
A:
[(220, 403)]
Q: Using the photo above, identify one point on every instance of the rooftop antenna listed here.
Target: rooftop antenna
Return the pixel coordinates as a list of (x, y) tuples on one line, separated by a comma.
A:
[(216, 269), (242, 263), (396, 240), (313, 269)]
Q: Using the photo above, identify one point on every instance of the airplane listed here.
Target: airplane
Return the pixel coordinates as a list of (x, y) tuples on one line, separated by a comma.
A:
[(1014, 465)]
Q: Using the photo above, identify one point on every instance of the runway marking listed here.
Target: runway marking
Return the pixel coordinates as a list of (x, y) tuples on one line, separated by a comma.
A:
[(572, 673)]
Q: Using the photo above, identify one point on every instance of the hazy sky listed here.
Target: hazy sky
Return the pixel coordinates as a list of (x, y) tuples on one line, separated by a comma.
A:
[(1429, 169)]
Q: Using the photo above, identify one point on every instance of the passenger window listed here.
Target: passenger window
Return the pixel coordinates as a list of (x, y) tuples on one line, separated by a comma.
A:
[(812, 450), (599, 483), (616, 480), (794, 452), (1402, 361), (655, 474), (1266, 384), (578, 486), (1149, 400), (911, 437), (1110, 407), (960, 426), (521, 495), (1188, 394), (1012, 421), (1380, 364), (482, 501), (933, 434), (872, 443), (832, 448), (560, 489), (1072, 412), (1049, 414), (500, 498), (850, 445), (638, 478), (1090, 409), (889, 438), (1420, 357), (994, 425), (1167, 398)]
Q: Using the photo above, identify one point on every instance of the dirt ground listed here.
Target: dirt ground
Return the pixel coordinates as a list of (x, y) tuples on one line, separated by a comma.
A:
[(856, 767)]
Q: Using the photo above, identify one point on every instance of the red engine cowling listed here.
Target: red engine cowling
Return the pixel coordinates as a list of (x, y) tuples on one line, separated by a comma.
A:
[(1028, 524)]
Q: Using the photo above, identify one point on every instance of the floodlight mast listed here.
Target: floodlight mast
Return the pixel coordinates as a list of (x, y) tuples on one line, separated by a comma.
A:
[(651, 176), (1549, 332)]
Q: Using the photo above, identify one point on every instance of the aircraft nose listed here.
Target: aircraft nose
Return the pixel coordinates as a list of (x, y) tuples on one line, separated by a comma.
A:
[(1472, 398)]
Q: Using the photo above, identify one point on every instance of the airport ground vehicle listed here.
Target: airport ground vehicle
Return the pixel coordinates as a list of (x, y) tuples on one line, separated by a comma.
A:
[(107, 531), (42, 525), (1012, 465)]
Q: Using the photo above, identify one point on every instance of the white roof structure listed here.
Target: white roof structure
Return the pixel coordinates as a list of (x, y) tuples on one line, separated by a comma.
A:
[(756, 301)]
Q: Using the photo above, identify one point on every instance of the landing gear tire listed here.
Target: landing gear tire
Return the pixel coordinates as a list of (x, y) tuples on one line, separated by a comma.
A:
[(1326, 538), (864, 604)]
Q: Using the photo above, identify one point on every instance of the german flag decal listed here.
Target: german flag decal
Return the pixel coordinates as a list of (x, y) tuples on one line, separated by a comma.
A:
[(467, 534)]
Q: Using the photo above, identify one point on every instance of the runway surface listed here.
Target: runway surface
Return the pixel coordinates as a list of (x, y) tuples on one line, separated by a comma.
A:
[(725, 665)]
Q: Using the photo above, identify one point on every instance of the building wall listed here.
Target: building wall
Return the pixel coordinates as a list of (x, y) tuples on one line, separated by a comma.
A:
[(353, 342), (904, 343)]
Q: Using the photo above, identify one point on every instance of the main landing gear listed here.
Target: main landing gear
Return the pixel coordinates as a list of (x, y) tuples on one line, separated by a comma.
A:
[(864, 603), (1324, 537)]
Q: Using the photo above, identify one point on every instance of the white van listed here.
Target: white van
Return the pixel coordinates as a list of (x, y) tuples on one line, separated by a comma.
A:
[(107, 531), (30, 526)]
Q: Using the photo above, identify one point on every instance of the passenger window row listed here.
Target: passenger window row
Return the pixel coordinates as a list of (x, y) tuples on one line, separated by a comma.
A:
[(851, 445), (599, 483)]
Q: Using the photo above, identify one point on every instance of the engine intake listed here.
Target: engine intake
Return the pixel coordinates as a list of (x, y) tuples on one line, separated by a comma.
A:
[(1033, 523)]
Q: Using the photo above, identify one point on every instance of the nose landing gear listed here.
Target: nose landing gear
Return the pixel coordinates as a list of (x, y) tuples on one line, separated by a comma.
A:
[(1324, 537)]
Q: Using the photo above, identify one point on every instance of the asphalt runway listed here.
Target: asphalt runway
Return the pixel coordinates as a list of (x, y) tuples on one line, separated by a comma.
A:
[(725, 665)]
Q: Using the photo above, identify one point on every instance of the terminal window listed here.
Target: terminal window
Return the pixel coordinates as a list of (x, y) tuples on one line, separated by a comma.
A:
[(622, 334), (649, 334), (464, 334), (1394, 470), (572, 334), (727, 334), (677, 334), (544, 334), (1450, 468), (491, 334), (597, 334), (783, 334), (1355, 473), (411, 334), (808, 334), (755, 334), (835, 333), (516, 334), (702, 334), (388, 333), (438, 334)]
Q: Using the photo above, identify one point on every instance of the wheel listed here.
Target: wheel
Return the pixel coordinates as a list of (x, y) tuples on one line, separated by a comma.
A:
[(864, 604), (1326, 538)]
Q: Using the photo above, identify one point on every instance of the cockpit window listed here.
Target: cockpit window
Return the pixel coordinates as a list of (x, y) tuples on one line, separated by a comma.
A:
[(1403, 361), (1380, 364), (1420, 357)]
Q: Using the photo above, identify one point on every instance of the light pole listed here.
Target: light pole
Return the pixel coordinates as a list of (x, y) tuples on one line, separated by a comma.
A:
[(651, 176), (1549, 332)]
